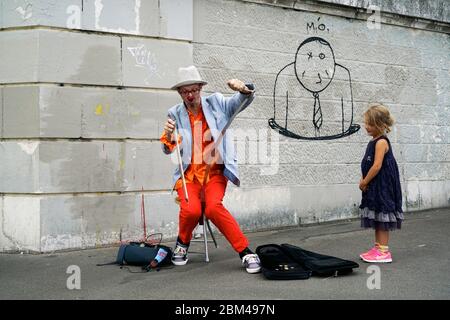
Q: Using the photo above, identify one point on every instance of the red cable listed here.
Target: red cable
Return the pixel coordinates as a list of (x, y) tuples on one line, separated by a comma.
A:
[(143, 215)]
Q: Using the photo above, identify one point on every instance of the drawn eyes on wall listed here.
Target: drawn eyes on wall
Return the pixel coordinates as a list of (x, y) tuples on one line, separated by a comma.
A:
[(321, 55)]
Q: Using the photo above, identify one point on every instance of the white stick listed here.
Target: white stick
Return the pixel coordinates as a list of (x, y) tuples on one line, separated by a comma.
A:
[(180, 163), (222, 134)]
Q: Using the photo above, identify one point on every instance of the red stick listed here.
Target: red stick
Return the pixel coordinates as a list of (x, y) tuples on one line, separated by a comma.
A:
[(143, 215)]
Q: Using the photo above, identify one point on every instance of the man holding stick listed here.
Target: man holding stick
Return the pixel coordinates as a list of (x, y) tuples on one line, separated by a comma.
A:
[(209, 160)]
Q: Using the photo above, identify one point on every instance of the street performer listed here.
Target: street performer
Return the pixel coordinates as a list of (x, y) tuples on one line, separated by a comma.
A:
[(207, 166)]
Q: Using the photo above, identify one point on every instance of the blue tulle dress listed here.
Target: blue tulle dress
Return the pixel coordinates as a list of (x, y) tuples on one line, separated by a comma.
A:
[(381, 204)]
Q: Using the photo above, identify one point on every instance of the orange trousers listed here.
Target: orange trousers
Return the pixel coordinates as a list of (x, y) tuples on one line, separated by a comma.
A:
[(190, 212)]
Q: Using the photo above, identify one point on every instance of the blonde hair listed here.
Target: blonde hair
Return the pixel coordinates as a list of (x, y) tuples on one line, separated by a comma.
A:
[(379, 117)]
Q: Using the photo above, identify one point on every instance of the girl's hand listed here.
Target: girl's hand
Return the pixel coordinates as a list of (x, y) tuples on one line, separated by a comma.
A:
[(362, 185)]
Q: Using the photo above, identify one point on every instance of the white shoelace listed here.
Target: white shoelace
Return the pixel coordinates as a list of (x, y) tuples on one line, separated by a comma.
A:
[(250, 258), (179, 250)]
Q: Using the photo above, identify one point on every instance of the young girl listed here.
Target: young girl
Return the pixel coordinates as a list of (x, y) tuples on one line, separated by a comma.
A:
[(381, 204)]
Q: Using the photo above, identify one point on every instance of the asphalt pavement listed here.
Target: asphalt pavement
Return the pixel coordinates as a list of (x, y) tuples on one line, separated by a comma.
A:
[(420, 268)]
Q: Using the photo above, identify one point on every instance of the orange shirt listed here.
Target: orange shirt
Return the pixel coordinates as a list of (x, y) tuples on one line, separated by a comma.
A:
[(201, 139)]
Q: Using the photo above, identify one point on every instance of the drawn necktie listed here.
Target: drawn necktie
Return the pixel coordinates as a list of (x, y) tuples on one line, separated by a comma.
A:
[(317, 118)]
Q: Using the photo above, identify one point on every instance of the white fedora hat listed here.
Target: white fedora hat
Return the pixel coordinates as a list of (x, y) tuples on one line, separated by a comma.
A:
[(188, 76)]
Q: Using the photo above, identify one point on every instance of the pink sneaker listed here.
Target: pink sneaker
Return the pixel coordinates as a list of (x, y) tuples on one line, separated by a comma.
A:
[(377, 256), (368, 252)]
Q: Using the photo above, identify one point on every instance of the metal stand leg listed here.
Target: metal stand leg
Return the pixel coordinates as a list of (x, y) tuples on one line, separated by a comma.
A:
[(205, 238), (206, 227), (211, 233)]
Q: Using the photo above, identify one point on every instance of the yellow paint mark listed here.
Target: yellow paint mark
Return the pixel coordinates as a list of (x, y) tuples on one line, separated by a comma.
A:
[(122, 164), (99, 110)]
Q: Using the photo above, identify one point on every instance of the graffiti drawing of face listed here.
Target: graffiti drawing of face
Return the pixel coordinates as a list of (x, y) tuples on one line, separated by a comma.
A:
[(314, 64)]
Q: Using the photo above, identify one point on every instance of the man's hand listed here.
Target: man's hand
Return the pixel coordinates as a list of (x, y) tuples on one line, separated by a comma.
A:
[(238, 85), (169, 127)]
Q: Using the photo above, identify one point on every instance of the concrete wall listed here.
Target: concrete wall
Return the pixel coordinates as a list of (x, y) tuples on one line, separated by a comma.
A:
[(84, 94), (405, 67), (438, 10)]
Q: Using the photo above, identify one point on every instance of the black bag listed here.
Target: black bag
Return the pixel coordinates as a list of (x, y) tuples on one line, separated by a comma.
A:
[(289, 262), (142, 254), (320, 264), (276, 264)]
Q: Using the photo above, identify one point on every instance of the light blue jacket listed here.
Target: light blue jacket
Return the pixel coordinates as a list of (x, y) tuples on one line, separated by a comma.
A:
[(218, 110)]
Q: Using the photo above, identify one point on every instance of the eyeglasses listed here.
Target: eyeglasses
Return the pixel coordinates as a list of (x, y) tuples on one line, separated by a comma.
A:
[(186, 92)]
